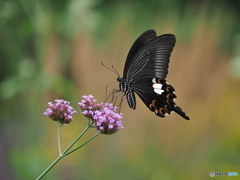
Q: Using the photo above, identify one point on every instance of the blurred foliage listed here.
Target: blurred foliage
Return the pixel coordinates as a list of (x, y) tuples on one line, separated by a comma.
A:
[(53, 49)]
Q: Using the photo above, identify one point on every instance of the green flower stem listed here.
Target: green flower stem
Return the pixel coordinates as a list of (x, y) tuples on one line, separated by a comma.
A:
[(68, 148), (59, 142), (83, 144), (74, 142), (50, 167)]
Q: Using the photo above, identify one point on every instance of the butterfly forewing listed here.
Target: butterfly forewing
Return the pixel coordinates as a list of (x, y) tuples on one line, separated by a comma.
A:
[(155, 54), (138, 44)]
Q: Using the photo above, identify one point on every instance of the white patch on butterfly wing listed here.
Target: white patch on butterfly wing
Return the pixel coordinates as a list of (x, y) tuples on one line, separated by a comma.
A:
[(157, 86), (158, 91), (154, 80)]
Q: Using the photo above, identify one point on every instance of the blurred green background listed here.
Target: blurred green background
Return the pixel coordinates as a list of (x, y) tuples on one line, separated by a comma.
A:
[(54, 49)]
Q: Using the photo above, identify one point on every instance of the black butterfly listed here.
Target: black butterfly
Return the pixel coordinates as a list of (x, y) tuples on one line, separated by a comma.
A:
[(145, 71)]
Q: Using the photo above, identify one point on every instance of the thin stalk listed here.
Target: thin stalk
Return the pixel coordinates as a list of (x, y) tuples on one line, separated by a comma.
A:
[(59, 142), (83, 144), (61, 155), (74, 142), (50, 167)]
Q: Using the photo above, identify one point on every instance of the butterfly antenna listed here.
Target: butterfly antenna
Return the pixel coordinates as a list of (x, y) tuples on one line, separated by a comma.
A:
[(113, 70)]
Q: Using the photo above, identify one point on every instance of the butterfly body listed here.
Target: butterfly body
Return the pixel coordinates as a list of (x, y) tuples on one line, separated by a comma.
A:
[(128, 91), (145, 71)]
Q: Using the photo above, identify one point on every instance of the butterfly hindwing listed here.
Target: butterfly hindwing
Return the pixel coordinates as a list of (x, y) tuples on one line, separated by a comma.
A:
[(158, 96)]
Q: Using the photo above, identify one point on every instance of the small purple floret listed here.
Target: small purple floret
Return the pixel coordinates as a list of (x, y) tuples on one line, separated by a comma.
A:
[(107, 120), (61, 111)]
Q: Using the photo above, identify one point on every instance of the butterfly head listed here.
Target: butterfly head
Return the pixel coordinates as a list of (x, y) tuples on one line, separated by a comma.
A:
[(119, 79)]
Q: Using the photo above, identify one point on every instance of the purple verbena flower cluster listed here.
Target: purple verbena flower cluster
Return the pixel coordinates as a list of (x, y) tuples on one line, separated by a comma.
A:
[(61, 111), (106, 119)]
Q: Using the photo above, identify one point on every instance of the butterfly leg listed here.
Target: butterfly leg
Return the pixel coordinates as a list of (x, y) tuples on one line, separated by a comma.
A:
[(107, 96), (120, 104), (116, 94), (112, 94)]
